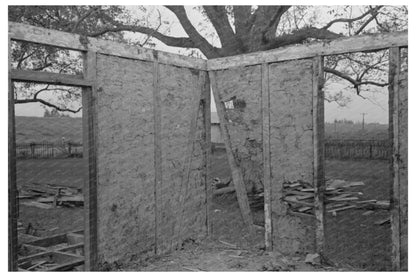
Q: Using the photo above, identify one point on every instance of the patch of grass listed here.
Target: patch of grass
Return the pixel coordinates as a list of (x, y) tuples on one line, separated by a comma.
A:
[(48, 129)]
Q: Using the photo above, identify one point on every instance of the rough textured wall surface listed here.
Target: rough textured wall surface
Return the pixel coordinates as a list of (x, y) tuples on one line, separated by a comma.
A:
[(291, 146), (242, 88), (403, 167), (125, 159), (178, 87)]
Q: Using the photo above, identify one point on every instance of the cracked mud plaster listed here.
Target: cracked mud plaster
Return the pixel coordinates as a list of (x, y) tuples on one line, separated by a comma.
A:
[(291, 145), (242, 86), (125, 158)]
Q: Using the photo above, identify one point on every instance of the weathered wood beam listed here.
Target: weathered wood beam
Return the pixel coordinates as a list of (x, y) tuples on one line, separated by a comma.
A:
[(13, 208), (265, 99), (318, 151), (89, 126), (49, 78), (334, 47), (28, 33)]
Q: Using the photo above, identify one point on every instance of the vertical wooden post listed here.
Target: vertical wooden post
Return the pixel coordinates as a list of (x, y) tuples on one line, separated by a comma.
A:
[(157, 116), (13, 208), (394, 71), (89, 154), (318, 151), (236, 174), (265, 99), (207, 151)]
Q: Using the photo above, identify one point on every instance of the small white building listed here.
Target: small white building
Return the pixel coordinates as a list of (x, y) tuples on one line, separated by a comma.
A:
[(216, 135)]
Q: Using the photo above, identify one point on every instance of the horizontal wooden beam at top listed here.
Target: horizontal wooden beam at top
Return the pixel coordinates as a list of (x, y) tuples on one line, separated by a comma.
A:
[(49, 78), (29, 33), (339, 46)]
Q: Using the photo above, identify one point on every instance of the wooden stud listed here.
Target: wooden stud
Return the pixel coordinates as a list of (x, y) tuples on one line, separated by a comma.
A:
[(183, 190), (236, 174), (265, 97), (89, 155), (334, 47), (318, 148), (13, 208), (394, 71), (28, 33), (157, 117), (207, 151), (49, 78)]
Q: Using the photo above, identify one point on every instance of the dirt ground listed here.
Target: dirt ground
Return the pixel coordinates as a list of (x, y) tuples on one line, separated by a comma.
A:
[(353, 241)]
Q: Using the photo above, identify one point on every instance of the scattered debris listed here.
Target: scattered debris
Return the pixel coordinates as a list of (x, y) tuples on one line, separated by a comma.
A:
[(47, 196), (313, 259), (228, 244), (382, 221)]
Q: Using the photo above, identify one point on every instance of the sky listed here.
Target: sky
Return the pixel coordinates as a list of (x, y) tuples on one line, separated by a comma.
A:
[(376, 109)]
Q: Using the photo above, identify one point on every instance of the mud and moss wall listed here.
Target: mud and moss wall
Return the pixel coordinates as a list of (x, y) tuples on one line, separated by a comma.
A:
[(291, 147), (291, 139), (128, 224)]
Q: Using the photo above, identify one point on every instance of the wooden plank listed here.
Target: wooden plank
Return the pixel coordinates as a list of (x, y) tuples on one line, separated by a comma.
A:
[(207, 151), (49, 78), (265, 98), (334, 47), (89, 156), (318, 151), (188, 155), (12, 190), (394, 71), (157, 116), (28, 33), (235, 170)]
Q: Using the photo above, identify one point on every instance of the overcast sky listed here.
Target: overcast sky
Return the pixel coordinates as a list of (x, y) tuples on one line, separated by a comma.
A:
[(376, 109)]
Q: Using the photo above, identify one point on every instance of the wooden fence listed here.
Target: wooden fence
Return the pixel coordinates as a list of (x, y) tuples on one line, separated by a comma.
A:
[(358, 149), (48, 150)]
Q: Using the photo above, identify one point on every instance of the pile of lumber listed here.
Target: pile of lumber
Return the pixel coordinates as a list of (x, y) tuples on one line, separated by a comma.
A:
[(47, 196), (339, 196)]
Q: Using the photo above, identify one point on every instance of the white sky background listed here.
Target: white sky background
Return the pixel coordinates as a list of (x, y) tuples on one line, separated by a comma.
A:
[(374, 112)]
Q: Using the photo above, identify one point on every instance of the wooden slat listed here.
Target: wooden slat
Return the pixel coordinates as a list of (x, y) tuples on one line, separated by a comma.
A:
[(13, 209), (334, 47), (49, 78), (318, 149), (207, 150), (183, 190), (265, 98), (28, 33), (235, 170), (89, 155), (157, 117), (394, 71)]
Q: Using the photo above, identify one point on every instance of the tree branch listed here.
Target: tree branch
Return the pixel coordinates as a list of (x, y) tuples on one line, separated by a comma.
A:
[(349, 20), (301, 36), (168, 40), (219, 19), (199, 41), (24, 101), (356, 83), (83, 17)]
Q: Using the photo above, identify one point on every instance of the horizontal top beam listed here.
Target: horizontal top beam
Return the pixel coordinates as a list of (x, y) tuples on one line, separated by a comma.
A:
[(334, 47), (29, 33)]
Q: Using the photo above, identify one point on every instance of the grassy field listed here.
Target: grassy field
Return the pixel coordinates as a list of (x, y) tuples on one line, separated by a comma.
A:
[(48, 129), (371, 131)]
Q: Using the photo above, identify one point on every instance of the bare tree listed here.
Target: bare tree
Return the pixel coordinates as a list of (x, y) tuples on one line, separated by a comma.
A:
[(239, 29)]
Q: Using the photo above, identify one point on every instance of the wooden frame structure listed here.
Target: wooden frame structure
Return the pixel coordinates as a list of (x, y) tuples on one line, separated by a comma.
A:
[(317, 51), (91, 46)]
